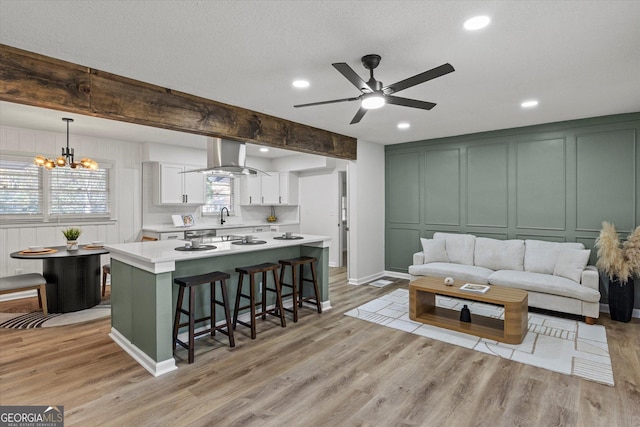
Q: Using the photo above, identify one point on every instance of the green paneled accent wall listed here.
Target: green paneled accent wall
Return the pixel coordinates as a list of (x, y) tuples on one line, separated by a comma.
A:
[(487, 196), (540, 184), (607, 168), (403, 180), (555, 182), (442, 187)]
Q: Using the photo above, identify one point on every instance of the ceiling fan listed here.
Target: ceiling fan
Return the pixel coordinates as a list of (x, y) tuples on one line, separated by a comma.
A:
[(374, 95)]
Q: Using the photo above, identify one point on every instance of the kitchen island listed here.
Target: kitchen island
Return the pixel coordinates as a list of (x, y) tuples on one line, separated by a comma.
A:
[(143, 296)]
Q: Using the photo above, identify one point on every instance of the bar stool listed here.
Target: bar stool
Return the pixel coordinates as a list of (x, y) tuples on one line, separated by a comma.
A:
[(191, 282), (106, 269), (297, 286), (251, 271)]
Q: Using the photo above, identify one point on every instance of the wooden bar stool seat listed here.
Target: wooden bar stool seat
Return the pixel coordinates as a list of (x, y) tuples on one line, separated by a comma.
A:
[(297, 283), (191, 282), (251, 271)]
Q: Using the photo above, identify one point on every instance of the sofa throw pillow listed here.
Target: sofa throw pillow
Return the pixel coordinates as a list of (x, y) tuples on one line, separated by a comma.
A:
[(571, 263), (499, 254), (459, 247), (434, 250), (540, 256)]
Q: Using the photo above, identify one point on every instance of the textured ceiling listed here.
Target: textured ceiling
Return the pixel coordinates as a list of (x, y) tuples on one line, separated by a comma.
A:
[(578, 58)]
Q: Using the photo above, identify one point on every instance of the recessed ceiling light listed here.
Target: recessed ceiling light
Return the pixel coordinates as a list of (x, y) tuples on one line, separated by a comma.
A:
[(403, 125), (529, 104), (300, 83), (264, 150), (476, 23)]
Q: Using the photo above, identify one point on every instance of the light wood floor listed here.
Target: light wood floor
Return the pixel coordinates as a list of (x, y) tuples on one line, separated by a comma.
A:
[(327, 369)]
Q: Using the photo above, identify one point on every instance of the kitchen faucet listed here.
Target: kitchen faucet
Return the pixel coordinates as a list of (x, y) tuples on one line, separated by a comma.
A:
[(222, 214)]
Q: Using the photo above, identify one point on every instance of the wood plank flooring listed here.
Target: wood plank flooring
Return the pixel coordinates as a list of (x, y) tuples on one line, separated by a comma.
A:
[(326, 370)]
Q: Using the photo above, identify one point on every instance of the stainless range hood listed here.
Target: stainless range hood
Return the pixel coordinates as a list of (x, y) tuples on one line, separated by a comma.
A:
[(226, 158)]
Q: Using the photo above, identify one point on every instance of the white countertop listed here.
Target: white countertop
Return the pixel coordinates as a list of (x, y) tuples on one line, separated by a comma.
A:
[(160, 256), (170, 228)]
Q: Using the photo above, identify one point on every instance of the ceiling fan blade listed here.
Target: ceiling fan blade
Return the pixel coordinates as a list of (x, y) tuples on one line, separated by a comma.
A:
[(358, 116), (405, 102), (352, 76), (419, 78), (326, 102)]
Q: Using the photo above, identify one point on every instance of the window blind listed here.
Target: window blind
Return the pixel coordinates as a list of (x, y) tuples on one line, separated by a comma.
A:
[(20, 188), (79, 192)]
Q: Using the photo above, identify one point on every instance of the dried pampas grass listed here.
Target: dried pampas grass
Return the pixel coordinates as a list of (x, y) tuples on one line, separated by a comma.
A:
[(631, 250), (618, 260)]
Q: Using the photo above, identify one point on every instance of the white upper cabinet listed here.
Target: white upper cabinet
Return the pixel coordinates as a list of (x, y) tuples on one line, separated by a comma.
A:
[(250, 191), (177, 188), (270, 187), (288, 188), (277, 188)]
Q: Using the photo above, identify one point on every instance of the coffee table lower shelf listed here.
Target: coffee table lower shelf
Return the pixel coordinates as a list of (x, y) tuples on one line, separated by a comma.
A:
[(481, 326), (422, 308)]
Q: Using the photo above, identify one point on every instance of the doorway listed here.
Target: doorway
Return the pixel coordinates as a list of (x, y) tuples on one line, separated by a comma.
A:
[(343, 203)]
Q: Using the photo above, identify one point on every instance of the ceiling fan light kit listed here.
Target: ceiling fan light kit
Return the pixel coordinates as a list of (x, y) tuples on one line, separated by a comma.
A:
[(374, 94), (372, 101)]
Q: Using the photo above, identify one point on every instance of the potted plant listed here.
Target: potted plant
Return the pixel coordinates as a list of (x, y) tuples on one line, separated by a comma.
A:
[(72, 235), (620, 262)]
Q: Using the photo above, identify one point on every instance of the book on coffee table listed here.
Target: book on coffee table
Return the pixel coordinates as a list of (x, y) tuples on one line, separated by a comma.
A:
[(478, 289)]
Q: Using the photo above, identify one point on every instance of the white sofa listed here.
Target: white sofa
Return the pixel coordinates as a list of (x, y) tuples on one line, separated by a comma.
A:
[(555, 275)]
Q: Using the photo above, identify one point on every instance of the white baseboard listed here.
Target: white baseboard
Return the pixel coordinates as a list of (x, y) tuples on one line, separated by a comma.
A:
[(366, 279), (155, 368), (18, 295)]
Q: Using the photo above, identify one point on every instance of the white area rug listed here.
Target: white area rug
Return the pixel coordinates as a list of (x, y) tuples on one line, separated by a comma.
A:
[(560, 345)]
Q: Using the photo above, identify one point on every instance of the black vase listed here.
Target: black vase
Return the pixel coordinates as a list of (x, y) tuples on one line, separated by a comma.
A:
[(465, 314), (621, 300)]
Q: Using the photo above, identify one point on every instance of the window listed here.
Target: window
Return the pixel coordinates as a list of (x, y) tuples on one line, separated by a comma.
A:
[(20, 188), (29, 193), (219, 194), (79, 192)]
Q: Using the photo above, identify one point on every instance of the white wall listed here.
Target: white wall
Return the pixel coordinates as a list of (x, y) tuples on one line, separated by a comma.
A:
[(366, 214), (125, 159), (318, 200)]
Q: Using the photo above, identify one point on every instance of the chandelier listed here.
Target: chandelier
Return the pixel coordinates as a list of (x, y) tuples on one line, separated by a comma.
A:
[(66, 159)]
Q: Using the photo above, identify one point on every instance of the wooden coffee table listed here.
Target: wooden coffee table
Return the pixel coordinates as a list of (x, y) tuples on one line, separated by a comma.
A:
[(511, 330)]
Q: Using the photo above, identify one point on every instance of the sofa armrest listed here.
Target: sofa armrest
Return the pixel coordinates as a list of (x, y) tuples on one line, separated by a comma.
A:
[(418, 258), (591, 278)]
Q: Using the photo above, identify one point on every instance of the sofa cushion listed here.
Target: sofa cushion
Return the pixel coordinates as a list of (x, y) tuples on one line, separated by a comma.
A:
[(544, 283), (499, 254), (459, 247), (434, 250), (467, 273), (571, 263), (540, 256)]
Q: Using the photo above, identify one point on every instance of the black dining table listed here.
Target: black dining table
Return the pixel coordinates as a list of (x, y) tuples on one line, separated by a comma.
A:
[(73, 276)]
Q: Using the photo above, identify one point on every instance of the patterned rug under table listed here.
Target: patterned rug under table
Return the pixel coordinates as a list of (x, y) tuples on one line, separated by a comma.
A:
[(561, 345)]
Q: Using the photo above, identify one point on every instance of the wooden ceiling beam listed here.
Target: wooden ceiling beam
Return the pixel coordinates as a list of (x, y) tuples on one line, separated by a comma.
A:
[(34, 79)]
